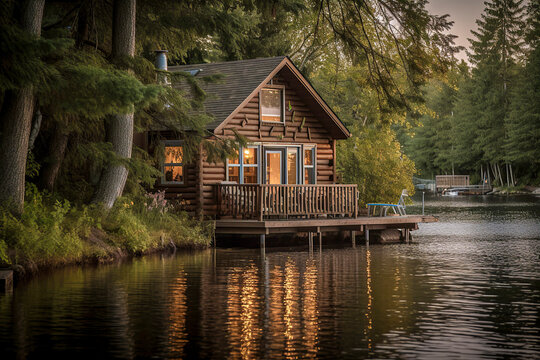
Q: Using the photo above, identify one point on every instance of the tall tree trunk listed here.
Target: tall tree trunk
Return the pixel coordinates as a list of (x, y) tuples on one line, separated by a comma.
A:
[(507, 176), (512, 176), (16, 122), (36, 126), (483, 176), (494, 171), (119, 127), (500, 174), (57, 151)]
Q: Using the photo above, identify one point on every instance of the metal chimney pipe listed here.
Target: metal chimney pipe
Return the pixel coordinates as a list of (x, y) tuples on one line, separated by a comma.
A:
[(161, 60)]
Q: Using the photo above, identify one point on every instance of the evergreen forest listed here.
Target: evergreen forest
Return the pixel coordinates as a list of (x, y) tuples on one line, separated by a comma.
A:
[(483, 118), (77, 80)]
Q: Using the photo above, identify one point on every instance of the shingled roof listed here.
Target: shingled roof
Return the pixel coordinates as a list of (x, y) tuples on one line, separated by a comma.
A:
[(241, 79)]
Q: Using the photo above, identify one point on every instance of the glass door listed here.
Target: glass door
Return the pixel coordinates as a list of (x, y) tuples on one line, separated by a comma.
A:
[(293, 168), (282, 165), (275, 160)]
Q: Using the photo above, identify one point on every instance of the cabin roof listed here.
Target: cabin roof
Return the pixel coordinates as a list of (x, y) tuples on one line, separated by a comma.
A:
[(244, 78)]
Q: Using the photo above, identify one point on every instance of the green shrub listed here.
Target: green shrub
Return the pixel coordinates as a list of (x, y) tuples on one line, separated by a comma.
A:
[(130, 232), (40, 235), (4, 258), (52, 231)]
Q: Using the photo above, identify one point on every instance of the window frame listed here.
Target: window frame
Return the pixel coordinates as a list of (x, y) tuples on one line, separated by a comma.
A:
[(172, 143), (241, 164), (312, 148), (299, 163), (282, 112)]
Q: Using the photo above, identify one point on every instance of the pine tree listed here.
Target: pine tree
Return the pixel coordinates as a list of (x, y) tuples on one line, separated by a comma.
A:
[(120, 126), (523, 121), (496, 51), (16, 118)]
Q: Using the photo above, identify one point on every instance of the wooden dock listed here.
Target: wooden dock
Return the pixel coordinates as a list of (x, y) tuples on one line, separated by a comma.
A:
[(320, 225)]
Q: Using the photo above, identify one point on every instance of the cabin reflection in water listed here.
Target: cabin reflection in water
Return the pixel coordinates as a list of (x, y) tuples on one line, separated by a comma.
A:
[(270, 308), (234, 304), (276, 307)]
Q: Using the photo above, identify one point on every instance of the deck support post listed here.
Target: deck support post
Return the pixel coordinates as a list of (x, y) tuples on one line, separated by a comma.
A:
[(353, 238), (366, 234), (320, 239), (407, 235), (6, 281), (310, 240), (262, 240)]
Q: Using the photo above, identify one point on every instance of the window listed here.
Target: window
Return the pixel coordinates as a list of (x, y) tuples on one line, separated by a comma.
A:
[(309, 165), (244, 168), (173, 167), (271, 105), (292, 166)]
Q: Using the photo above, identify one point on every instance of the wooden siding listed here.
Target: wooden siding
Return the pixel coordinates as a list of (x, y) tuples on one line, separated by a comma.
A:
[(186, 193), (246, 123), (198, 193)]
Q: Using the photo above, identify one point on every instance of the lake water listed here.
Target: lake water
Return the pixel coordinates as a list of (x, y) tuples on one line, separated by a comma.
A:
[(466, 287)]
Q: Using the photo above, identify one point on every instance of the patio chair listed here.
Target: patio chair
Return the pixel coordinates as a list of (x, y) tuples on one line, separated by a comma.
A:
[(398, 209)]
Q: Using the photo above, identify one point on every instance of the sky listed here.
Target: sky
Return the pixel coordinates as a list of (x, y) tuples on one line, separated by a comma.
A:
[(464, 14)]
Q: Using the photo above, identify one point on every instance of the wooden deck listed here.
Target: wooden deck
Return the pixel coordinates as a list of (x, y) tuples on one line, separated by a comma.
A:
[(320, 225)]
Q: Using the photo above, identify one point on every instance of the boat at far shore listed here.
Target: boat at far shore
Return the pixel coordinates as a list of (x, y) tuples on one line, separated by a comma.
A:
[(450, 192)]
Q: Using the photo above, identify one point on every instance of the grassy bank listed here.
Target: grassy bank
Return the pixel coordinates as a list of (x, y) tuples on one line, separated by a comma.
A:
[(514, 190), (53, 232)]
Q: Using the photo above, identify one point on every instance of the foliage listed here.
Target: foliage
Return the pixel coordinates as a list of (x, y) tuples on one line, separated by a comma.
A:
[(372, 158), (397, 43), (493, 125), (523, 122), (44, 234), (53, 231)]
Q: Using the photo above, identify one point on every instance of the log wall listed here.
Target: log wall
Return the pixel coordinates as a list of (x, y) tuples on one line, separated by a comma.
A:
[(199, 196), (246, 122)]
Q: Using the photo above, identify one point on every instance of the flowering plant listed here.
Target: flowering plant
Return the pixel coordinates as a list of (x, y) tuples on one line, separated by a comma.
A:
[(157, 201)]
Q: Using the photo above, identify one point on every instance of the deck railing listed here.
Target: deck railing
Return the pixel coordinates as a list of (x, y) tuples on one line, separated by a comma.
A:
[(263, 201)]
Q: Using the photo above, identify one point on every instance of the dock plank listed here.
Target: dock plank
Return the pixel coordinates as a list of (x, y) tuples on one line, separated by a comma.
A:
[(228, 226)]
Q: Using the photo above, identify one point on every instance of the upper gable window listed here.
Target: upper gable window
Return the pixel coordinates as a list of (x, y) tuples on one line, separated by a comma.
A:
[(271, 105)]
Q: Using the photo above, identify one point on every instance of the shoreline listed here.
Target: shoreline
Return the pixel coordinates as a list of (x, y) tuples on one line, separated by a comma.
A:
[(27, 270)]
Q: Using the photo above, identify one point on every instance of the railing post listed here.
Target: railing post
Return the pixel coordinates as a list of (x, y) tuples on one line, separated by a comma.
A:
[(286, 201), (356, 201), (219, 200), (260, 192)]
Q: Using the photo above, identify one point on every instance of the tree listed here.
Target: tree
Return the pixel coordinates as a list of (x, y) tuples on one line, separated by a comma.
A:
[(16, 118), (398, 42), (432, 143), (372, 157), (120, 126), (522, 145), (496, 53)]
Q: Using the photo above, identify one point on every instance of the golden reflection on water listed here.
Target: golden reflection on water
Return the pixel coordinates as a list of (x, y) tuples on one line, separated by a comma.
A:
[(369, 307), (274, 311), (293, 315), (291, 308), (177, 316), (243, 311), (277, 325), (310, 312)]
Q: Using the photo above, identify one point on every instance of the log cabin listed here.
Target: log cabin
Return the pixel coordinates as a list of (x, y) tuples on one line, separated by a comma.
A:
[(288, 169)]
